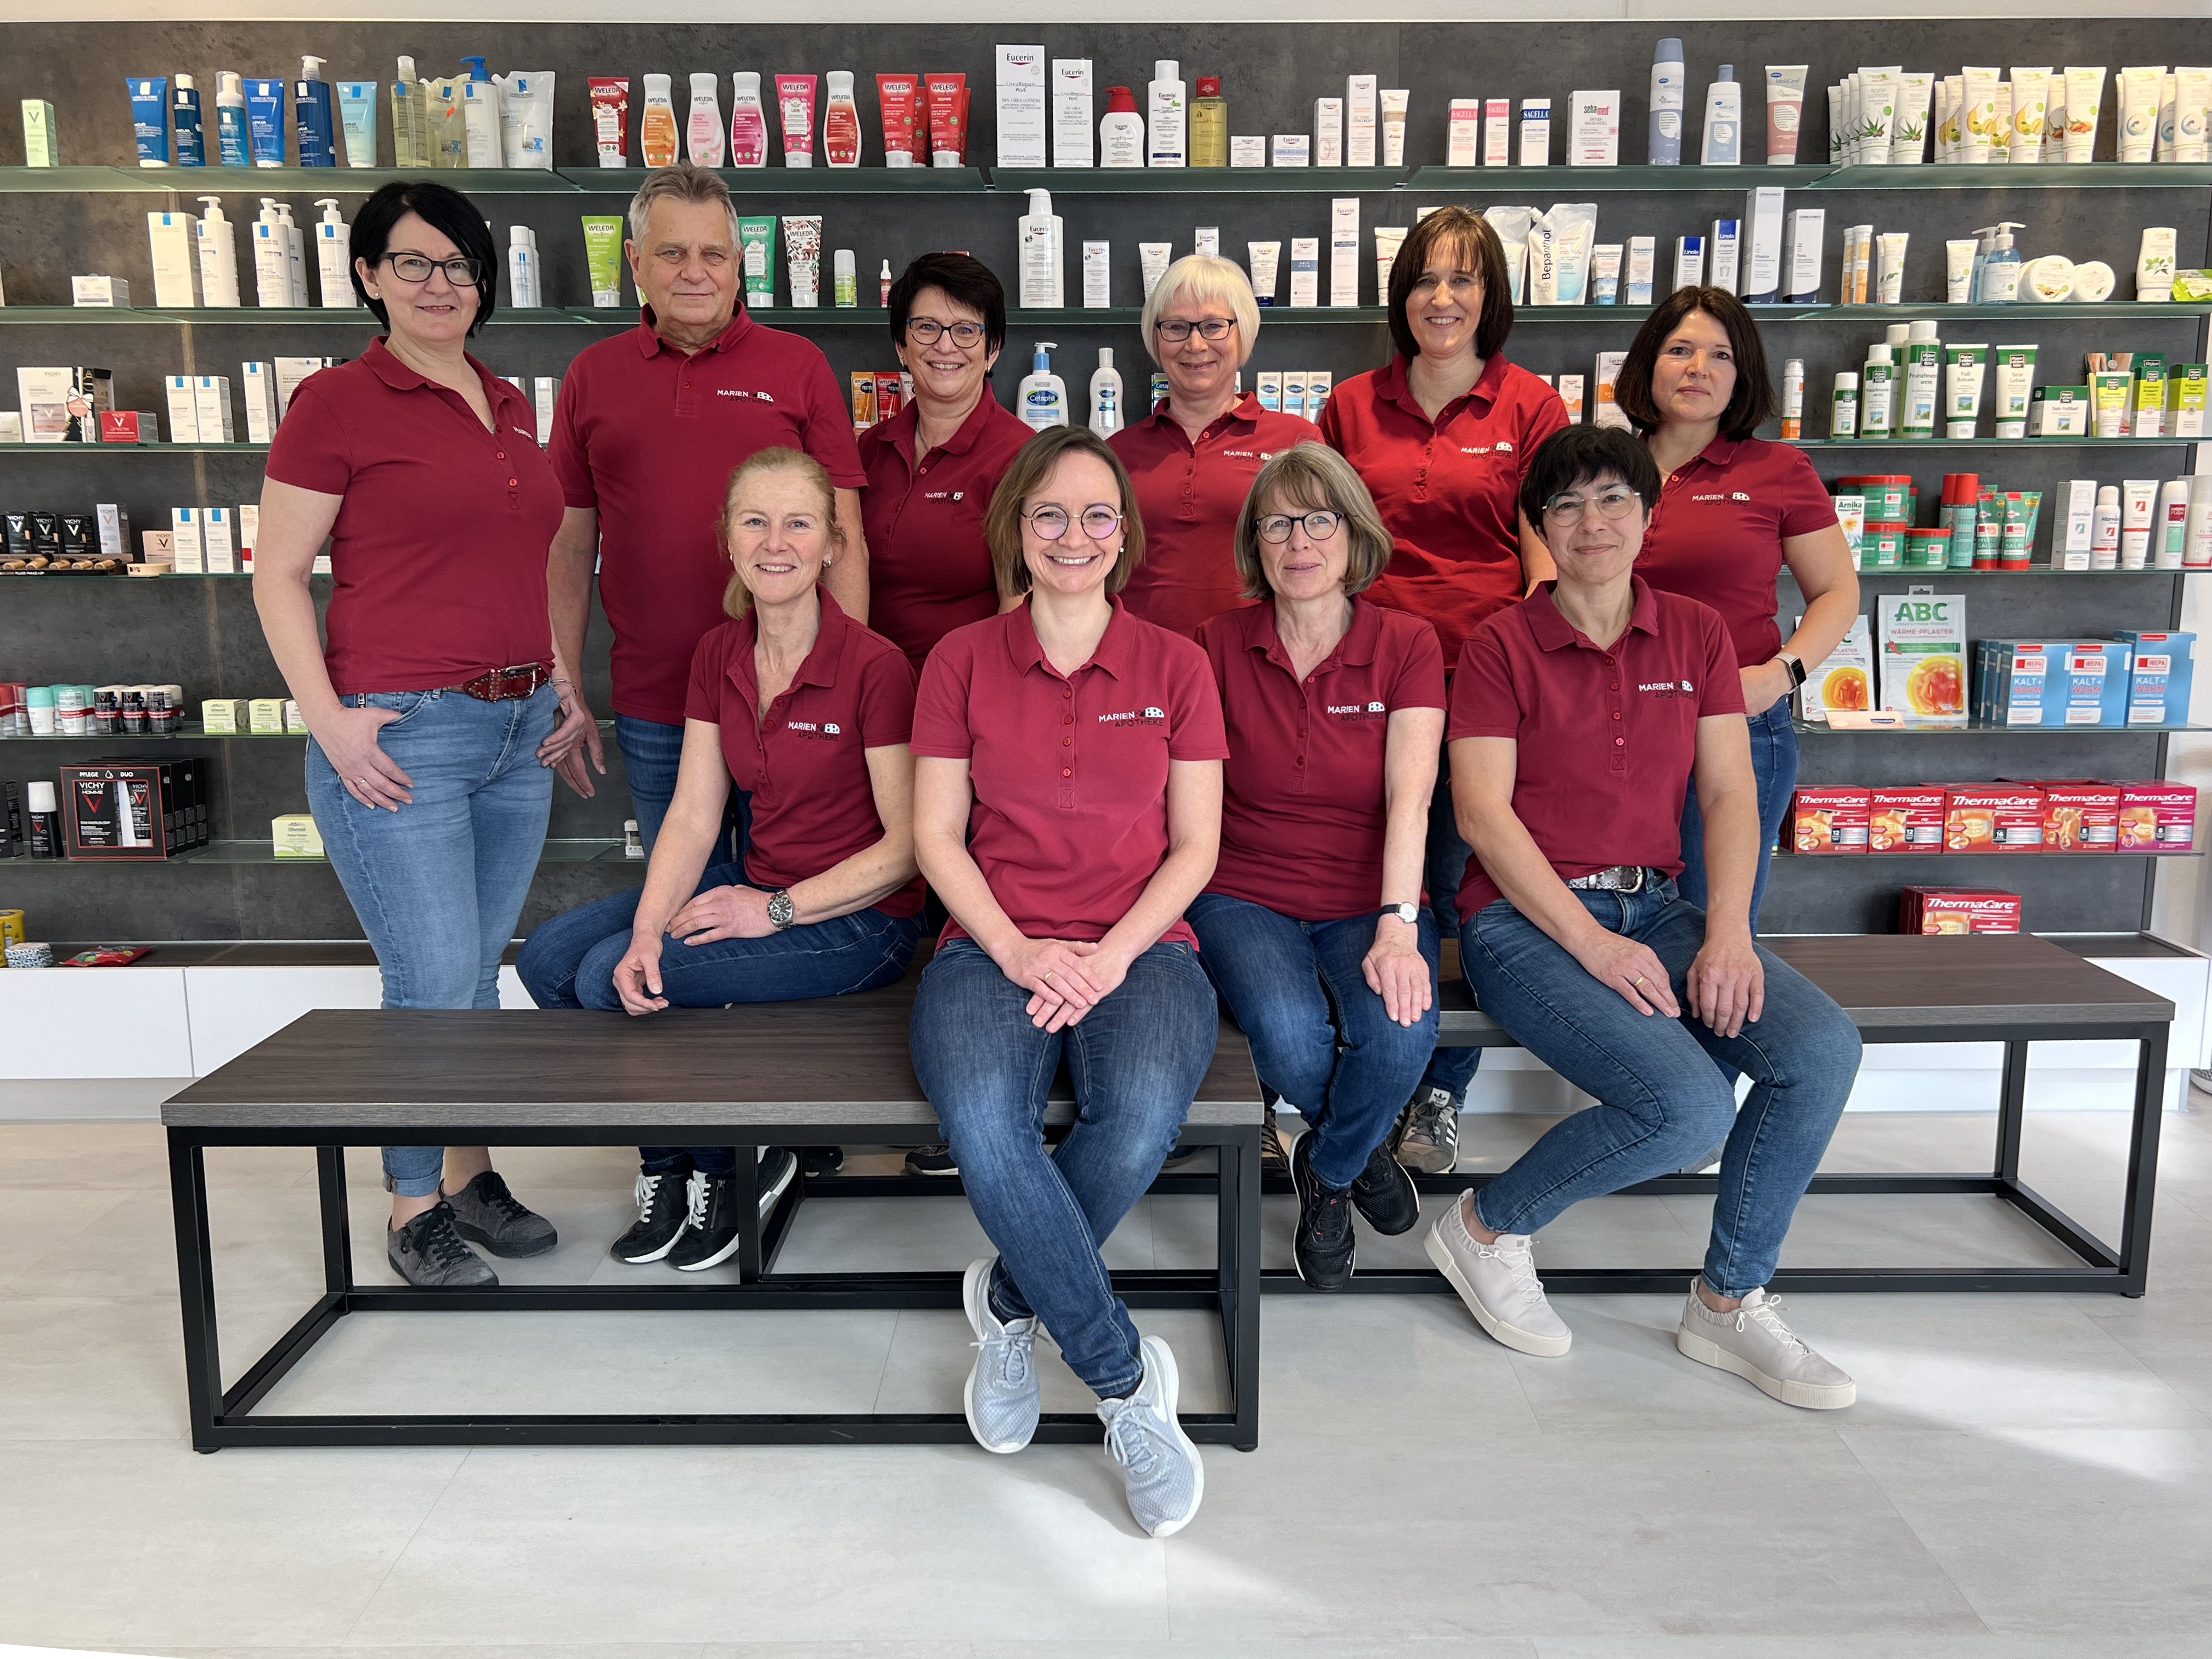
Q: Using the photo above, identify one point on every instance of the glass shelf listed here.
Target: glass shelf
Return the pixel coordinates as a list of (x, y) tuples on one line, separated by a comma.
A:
[(1998, 443), (2045, 853), (1198, 181), (191, 731), (1948, 574), (1517, 182), (43, 450), (1975, 729), (274, 181), (2056, 175), (2066, 310), (817, 180), (557, 850)]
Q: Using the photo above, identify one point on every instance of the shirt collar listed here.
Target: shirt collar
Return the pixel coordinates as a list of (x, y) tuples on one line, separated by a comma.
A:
[(649, 343), (1392, 382), (385, 364), (1245, 412), (822, 662), (903, 430), (1554, 631), (1114, 653), (1719, 453), (1355, 650)]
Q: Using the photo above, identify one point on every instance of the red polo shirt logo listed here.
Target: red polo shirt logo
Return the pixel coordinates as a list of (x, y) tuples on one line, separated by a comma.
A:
[(1669, 689), (757, 397), (1135, 717)]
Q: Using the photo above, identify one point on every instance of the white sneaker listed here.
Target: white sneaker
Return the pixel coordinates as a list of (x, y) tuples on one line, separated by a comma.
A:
[(1160, 1468), (1500, 1285), (1753, 1342)]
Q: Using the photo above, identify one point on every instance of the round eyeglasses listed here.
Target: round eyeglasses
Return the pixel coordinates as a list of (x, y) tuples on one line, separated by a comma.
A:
[(1275, 528), (1098, 520), (1567, 508), (1176, 329), (927, 330), (417, 267)]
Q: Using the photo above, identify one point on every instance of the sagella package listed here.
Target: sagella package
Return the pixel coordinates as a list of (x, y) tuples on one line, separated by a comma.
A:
[(1844, 681), (1958, 910), (1923, 638), (128, 808)]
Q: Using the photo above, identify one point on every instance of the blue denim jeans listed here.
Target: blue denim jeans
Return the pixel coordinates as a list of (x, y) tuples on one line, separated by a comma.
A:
[(1662, 1096), (438, 883), (651, 752), (1774, 765), (569, 962), (1449, 1069), (1136, 1060), (1320, 1038)]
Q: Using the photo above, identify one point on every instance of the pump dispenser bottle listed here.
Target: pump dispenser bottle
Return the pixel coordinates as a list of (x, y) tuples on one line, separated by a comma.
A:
[(1106, 395), (656, 131), (296, 251), (218, 256), (2000, 270), (1723, 144), (1166, 135), (233, 146), (1043, 396), (334, 255), (702, 132), (272, 259), (192, 145), (1667, 85), (314, 117), (748, 120), (480, 121), (1122, 131), (1043, 263)]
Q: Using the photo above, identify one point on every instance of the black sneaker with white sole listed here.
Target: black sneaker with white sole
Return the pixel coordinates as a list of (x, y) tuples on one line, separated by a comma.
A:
[(486, 1213), (1385, 1192), (711, 1235), (1324, 1247), (1275, 1156), (427, 1253), (662, 1215), (936, 1160)]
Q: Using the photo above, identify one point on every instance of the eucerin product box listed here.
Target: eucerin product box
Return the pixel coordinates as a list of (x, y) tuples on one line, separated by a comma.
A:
[(1072, 129), (1022, 120), (1761, 254), (2158, 677), (1305, 270), (1328, 133), (1344, 251), (1361, 120), (1802, 284), (1292, 150)]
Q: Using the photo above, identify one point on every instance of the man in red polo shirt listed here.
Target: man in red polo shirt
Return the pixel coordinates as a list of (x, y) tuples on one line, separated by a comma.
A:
[(650, 425)]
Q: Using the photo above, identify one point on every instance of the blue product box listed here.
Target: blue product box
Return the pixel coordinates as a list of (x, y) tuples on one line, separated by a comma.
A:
[(2012, 680), (2087, 683), (2157, 683)]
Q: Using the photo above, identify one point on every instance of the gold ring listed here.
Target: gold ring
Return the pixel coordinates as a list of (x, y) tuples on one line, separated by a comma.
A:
[(1049, 972)]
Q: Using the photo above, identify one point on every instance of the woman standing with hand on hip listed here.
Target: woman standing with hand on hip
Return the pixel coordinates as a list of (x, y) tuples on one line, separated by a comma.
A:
[(440, 705), (1734, 511), (1442, 436)]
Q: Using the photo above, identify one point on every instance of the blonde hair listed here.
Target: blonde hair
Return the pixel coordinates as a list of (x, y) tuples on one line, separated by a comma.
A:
[(1204, 277), (736, 597), (1315, 476), (1025, 475)]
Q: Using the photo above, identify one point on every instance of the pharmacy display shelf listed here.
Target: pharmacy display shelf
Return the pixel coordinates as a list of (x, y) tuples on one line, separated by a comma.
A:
[(557, 850), (2063, 311), (1998, 443), (191, 731), (1977, 729), (2053, 175), (1640, 176), (1198, 181), (124, 576), (1948, 573), (2044, 853), (817, 180), (355, 317), (47, 451), (272, 181)]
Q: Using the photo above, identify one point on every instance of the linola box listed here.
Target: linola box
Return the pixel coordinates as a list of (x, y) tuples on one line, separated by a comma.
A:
[(1922, 638)]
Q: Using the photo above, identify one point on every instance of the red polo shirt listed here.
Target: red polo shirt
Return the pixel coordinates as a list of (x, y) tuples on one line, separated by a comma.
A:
[(805, 763), (440, 546), (1070, 774), (1716, 534), (1302, 813), (1188, 495), (1607, 738), (1449, 489), (649, 437), (929, 571)]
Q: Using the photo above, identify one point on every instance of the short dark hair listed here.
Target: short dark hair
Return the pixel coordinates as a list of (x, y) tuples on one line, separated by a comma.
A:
[(1467, 234), (964, 279), (1025, 475), (1752, 402), (444, 210), (1579, 454)]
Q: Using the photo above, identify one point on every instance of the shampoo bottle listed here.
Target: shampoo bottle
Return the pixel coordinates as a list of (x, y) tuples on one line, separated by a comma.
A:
[(1043, 396), (1667, 103), (1122, 131), (1106, 395), (1209, 124), (218, 256), (192, 143), (841, 121), (748, 121), (656, 132), (1041, 240), (1723, 139), (1167, 138), (702, 132), (334, 255), (314, 116), (232, 146)]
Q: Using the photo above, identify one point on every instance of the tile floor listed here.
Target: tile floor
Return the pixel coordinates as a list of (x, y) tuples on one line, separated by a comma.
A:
[(2025, 1477)]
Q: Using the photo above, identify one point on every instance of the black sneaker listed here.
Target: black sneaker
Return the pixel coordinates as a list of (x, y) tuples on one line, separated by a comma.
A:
[(661, 1219), (1274, 1156), (821, 1160), (1385, 1192), (486, 1213), (774, 1173), (1324, 1247), (931, 1161), (427, 1253), (710, 1235), (1180, 1157)]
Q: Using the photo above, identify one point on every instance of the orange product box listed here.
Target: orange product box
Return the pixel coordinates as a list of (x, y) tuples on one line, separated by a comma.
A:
[(1905, 818), (2156, 816), (1830, 819), (1993, 818), (1959, 910), (2080, 817)]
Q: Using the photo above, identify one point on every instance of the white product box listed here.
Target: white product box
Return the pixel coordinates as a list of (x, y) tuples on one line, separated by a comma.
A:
[(249, 532), (1569, 388), (218, 548), (2075, 526), (1305, 273), (1607, 412), (1803, 285), (1761, 257), (1248, 152), (258, 382), (1642, 263), (1463, 133), (1318, 382), (1344, 251), (183, 410), (1497, 132), (1327, 132), (11, 426), (185, 540), (290, 371), (1207, 239), (211, 408), (176, 257), (545, 392), (114, 531), (1535, 132), (1359, 120), (1723, 249), (1270, 390), (1593, 132), (1294, 392), (1098, 275), (110, 292), (1689, 262), (1072, 129), (1021, 89), (1291, 149)]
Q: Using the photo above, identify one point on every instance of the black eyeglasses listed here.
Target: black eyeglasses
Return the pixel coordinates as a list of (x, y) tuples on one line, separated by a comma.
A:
[(1050, 523), (1176, 330), (1567, 508), (1275, 528), (927, 330), (417, 267)]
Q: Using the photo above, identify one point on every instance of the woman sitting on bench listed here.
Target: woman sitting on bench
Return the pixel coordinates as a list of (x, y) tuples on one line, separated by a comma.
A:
[(809, 713), (1579, 719), (1068, 807)]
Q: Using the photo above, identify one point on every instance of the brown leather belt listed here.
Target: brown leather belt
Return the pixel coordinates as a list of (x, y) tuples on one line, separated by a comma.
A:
[(505, 684)]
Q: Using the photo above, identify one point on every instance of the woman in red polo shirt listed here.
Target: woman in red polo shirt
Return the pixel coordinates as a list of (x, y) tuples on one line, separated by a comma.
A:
[(1194, 458), (1068, 807), (1579, 721), (809, 713), (1733, 512), (1441, 437), (1313, 928), (440, 701), (931, 467)]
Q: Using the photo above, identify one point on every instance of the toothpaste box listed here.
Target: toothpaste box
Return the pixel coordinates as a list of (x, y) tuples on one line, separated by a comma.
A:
[(1958, 910), (1993, 818), (2080, 818), (2157, 817), (1830, 819), (1905, 818), (2159, 677)]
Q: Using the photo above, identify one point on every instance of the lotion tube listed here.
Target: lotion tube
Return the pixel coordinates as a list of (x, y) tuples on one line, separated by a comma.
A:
[(1964, 366), (1785, 104), (357, 121), (1977, 115), (795, 102), (2085, 98), (603, 241), (1394, 101), (1908, 135), (2015, 387), (1889, 274), (1388, 239), (1153, 261), (802, 248), (1264, 258)]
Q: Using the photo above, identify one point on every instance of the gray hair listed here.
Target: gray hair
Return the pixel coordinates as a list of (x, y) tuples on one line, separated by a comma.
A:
[(1205, 279), (683, 181)]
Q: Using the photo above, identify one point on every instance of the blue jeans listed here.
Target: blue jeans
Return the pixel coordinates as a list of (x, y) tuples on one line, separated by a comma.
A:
[(1320, 1038), (651, 752), (1136, 1060), (1449, 1069), (569, 962), (438, 883), (1774, 765), (1662, 1096)]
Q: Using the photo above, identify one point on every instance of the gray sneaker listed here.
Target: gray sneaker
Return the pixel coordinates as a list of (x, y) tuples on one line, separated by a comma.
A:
[(486, 1213), (428, 1254), (1428, 1133), (1753, 1343), (1159, 1465), (1001, 1396)]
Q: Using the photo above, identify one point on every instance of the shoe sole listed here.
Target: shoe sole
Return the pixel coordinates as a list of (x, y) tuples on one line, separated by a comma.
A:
[(400, 1273), (974, 1287), (1520, 1341), (736, 1244), (476, 1235), (768, 1200), (1811, 1396), (615, 1250), (1350, 1257), (1413, 1215), (1171, 1388), (930, 1175), (1427, 1160)]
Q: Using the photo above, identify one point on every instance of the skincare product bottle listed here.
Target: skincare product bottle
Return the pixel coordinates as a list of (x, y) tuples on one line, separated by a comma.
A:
[(1724, 138), (609, 95), (1793, 399), (2000, 270), (231, 148), (844, 279), (2155, 265), (357, 122), (1209, 124), (1041, 261), (1667, 83), (150, 119), (884, 285), (1785, 102), (794, 108), (1923, 379), (334, 257), (656, 136), (841, 121), (273, 275), (702, 132), (523, 291), (1106, 394), (408, 119), (316, 116), (185, 113), (45, 826), (749, 121), (1166, 139), (1394, 101), (2105, 532), (1878, 378), (1042, 400), (1844, 415), (218, 257), (1121, 131), (480, 117)]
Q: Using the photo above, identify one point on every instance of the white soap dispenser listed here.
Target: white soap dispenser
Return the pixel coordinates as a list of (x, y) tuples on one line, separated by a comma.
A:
[(272, 259), (1041, 239), (1106, 395), (218, 257), (1166, 120), (295, 244), (1043, 396), (1121, 131), (334, 255)]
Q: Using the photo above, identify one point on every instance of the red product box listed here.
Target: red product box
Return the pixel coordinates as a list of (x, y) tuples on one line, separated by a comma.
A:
[(2157, 817), (1830, 819), (128, 426), (1993, 818), (1959, 910), (2080, 817), (1905, 818)]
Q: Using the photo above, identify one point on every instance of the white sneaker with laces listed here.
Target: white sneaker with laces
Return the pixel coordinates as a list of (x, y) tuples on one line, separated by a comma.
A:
[(1755, 1343), (1500, 1285)]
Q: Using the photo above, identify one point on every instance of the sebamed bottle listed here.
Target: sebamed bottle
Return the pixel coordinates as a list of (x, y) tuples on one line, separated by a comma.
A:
[(1122, 131)]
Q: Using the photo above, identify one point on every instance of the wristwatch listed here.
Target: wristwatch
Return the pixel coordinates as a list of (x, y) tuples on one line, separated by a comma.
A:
[(781, 910), (1796, 668), (1409, 914)]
